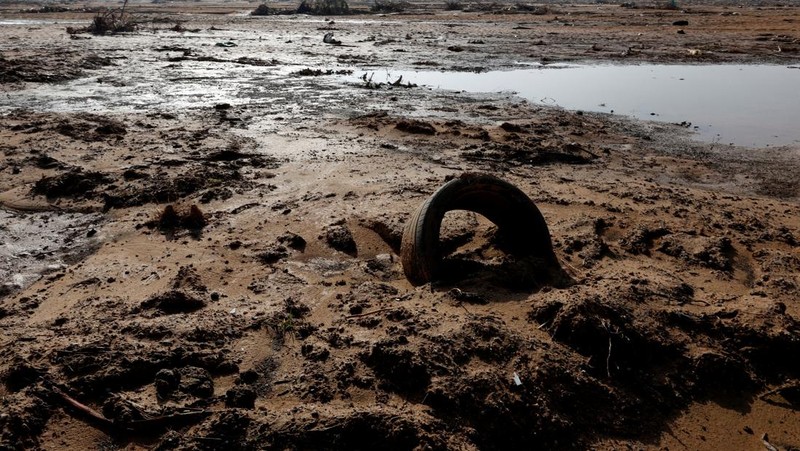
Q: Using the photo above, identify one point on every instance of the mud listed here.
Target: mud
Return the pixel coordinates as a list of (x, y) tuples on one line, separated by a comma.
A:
[(199, 238)]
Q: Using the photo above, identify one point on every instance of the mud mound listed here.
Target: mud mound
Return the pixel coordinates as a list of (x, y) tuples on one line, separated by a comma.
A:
[(91, 128), (358, 431), (44, 69), (188, 294), (95, 369), (73, 183), (533, 155), (174, 302), (164, 187), (182, 382), (339, 237), (608, 333), (23, 420)]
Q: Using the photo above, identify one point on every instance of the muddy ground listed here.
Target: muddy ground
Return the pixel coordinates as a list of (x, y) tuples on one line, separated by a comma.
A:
[(201, 222)]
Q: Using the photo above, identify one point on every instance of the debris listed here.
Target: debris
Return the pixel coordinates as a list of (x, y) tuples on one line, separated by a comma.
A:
[(135, 425), (339, 237), (767, 444), (170, 219), (261, 10), (786, 395), (517, 380), (195, 220), (502, 203), (323, 7), (328, 39), (107, 22)]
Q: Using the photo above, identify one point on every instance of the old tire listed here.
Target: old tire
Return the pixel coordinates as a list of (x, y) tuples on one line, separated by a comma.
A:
[(499, 201)]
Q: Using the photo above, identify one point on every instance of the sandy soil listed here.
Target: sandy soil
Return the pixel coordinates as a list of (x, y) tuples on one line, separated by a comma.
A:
[(199, 246)]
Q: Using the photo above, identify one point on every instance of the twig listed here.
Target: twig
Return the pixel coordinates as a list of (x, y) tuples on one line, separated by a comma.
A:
[(765, 440), (161, 421), (87, 411), (369, 313), (608, 358), (130, 426), (122, 12), (778, 390)]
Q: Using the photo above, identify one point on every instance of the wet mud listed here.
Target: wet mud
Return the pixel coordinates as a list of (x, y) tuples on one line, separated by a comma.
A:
[(226, 273)]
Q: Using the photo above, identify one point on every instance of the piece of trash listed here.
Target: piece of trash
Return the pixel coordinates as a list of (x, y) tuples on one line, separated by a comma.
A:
[(517, 380), (767, 444), (233, 311), (499, 201), (328, 39), (226, 44)]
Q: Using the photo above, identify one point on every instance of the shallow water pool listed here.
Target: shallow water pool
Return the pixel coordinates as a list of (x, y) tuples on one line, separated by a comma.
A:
[(747, 105)]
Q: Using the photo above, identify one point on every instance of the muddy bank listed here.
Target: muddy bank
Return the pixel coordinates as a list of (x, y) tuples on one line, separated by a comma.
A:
[(227, 273)]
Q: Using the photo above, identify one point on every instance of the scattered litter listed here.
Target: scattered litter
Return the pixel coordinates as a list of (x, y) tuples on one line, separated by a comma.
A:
[(517, 380)]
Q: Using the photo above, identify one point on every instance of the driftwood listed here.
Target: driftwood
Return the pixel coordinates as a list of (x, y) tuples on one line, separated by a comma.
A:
[(110, 426)]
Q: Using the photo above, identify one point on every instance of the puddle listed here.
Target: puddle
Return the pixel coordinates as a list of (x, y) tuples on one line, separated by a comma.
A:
[(164, 86), (17, 22), (34, 244), (747, 105)]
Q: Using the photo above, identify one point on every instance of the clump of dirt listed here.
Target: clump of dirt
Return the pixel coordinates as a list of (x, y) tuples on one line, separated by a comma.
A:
[(24, 418), (399, 368), (91, 128), (416, 127), (339, 237), (73, 183), (293, 241), (272, 254), (181, 382), (164, 187), (170, 219), (262, 10), (41, 69), (593, 327), (187, 294)]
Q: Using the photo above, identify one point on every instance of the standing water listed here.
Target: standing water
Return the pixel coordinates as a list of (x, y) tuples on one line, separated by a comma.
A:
[(747, 105)]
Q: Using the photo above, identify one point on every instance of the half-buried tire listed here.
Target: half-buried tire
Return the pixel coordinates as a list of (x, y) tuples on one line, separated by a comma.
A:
[(515, 215)]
